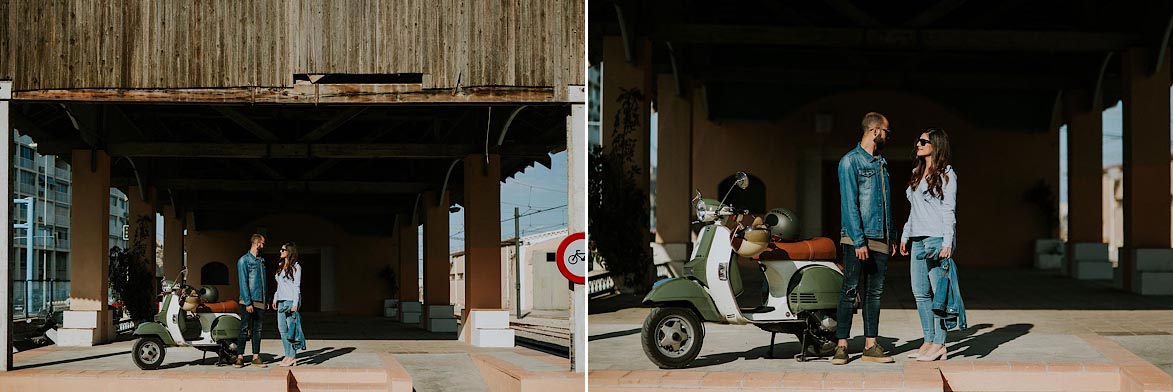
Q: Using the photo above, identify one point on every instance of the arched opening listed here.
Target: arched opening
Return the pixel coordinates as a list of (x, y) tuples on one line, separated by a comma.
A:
[(214, 273), (752, 198)]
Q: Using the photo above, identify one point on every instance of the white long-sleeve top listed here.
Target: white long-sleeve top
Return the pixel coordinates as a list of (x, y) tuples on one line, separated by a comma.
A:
[(289, 289), (932, 216)]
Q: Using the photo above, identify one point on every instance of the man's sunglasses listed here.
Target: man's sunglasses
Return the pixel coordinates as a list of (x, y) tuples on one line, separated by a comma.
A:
[(923, 142)]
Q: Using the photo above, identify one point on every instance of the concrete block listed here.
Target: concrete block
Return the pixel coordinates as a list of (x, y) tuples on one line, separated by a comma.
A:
[(1093, 270), (492, 337), (1048, 262), (1089, 251), (441, 312), (1153, 283), (1157, 260), (81, 319), (1048, 246), (391, 312), (442, 325), (390, 303), (413, 306), (488, 319), (409, 317), (74, 337)]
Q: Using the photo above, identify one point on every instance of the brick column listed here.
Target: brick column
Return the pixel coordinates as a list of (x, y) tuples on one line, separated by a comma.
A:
[(1146, 260), (1087, 254), (88, 321), (482, 233), (438, 312)]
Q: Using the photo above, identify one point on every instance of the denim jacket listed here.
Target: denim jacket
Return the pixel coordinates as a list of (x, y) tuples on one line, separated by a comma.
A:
[(865, 197), (293, 324), (250, 270), (947, 302)]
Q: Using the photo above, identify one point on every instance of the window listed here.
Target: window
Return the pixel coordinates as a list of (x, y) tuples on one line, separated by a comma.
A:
[(214, 273), (26, 153)]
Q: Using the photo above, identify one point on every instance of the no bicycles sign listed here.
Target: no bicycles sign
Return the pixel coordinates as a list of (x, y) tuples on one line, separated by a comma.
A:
[(572, 258)]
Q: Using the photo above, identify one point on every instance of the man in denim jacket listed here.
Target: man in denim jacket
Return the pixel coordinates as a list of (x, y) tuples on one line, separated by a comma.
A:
[(250, 270), (867, 237)]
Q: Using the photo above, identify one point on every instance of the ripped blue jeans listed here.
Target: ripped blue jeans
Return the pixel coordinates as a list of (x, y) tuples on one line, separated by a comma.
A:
[(925, 274), (867, 275)]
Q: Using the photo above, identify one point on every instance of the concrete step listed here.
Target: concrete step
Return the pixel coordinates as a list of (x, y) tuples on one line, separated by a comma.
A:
[(305, 376), (340, 386)]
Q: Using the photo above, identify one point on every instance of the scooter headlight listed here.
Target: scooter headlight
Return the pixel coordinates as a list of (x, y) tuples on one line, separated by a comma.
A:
[(701, 212)]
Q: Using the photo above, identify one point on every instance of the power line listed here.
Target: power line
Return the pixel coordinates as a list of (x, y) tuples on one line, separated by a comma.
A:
[(539, 187)]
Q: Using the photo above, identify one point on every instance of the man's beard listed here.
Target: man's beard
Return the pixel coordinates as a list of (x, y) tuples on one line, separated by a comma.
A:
[(879, 142)]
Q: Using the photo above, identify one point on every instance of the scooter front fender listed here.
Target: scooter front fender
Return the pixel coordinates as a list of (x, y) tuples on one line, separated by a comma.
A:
[(152, 328), (678, 290)]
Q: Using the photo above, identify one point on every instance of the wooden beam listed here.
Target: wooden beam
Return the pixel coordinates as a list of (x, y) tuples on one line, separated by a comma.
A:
[(878, 78), (248, 124), (361, 94), (339, 120), (304, 206), (964, 40), (260, 166), (853, 13), (318, 151), (934, 13), (266, 186)]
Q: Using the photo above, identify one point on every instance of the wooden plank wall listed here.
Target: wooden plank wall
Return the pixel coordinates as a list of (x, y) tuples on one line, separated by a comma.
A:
[(53, 44)]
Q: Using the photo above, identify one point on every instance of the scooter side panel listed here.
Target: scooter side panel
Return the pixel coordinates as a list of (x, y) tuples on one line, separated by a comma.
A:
[(152, 328), (226, 327), (695, 267), (815, 287), (718, 267), (687, 290)]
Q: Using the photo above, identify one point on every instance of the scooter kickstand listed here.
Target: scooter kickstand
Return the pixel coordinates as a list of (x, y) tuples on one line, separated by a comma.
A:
[(770, 354)]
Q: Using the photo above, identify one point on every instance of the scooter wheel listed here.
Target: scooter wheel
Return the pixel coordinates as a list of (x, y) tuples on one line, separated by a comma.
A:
[(672, 337), (148, 352)]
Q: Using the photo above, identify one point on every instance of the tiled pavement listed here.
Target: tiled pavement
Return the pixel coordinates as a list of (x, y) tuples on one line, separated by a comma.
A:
[(1029, 330)]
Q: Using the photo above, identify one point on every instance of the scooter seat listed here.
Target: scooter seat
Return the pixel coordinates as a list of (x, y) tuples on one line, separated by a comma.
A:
[(819, 248), (228, 306)]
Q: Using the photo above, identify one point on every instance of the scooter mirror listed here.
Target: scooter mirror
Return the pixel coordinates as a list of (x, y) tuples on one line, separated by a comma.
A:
[(698, 195), (742, 180)]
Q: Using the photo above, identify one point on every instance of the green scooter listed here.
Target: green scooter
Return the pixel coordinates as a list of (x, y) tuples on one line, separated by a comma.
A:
[(802, 298), (188, 317)]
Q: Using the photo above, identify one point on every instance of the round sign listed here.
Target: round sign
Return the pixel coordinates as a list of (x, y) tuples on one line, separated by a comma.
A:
[(573, 258)]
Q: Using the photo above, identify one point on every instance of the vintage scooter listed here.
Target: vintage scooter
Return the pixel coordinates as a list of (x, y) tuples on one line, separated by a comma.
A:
[(801, 298), (188, 318)]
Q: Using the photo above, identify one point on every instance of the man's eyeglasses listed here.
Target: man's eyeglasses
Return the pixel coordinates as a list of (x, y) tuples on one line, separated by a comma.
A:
[(923, 142)]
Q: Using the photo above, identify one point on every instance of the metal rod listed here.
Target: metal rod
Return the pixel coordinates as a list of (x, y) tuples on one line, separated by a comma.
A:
[(517, 259)]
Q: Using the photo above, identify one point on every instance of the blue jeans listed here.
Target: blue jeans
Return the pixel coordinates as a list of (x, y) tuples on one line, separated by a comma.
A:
[(925, 274), (283, 327), (870, 274)]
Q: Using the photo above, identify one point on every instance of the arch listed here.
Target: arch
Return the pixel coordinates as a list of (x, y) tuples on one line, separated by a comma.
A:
[(752, 198), (214, 273)]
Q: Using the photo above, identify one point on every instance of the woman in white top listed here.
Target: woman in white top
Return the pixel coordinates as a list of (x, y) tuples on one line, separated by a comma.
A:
[(932, 223), (287, 301)]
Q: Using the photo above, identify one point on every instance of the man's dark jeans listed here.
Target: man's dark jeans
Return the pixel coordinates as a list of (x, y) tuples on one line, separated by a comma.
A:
[(868, 274), (250, 323)]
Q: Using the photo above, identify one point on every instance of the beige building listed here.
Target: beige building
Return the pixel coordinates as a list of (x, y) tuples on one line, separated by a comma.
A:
[(1113, 209), (543, 288)]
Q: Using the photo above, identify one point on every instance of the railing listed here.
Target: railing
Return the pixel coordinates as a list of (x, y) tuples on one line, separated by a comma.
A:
[(63, 244), (46, 294), (61, 196), (26, 188), (63, 174), (26, 163)]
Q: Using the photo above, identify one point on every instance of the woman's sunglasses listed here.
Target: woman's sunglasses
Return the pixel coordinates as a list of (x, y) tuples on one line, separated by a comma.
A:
[(923, 142)]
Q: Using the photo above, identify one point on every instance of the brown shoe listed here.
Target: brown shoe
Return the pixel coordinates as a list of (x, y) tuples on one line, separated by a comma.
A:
[(876, 354), (257, 361), (239, 363), (840, 357)]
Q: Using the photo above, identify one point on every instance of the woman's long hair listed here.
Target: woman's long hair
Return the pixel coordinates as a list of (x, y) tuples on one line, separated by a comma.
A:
[(940, 158), (290, 260)]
